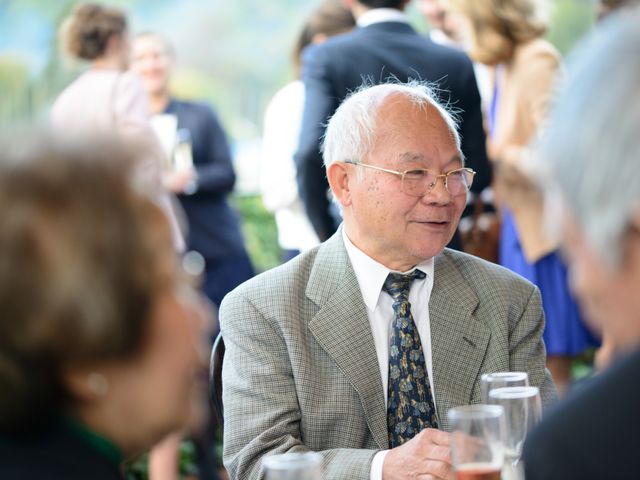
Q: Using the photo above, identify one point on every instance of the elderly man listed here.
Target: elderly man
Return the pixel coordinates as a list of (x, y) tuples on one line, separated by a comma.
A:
[(594, 160), (358, 348)]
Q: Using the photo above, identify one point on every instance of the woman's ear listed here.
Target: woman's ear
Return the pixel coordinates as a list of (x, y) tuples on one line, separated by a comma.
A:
[(340, 180), (85, 384)]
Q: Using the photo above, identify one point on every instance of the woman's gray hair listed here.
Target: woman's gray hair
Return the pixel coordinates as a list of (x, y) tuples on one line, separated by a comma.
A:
[(350, 132), (592, 143)]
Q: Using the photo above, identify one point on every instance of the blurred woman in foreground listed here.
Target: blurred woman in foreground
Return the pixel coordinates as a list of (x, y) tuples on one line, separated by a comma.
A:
[(99, 331)]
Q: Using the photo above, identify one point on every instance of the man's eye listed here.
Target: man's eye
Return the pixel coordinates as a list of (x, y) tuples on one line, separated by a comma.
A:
[(415, 174)]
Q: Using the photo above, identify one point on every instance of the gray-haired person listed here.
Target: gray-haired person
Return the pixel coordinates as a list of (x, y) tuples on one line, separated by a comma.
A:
[(313, 359), (592, 149)]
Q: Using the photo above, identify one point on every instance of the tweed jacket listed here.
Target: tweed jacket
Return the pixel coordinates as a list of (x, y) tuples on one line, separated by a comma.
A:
[(300, 370)]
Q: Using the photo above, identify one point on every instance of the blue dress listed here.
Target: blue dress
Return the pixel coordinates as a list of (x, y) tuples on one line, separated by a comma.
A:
[(564, 333)]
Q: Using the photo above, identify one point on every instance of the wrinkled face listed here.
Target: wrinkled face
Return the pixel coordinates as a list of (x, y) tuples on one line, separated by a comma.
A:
[(392, 227), (151, 61), (608, 295)]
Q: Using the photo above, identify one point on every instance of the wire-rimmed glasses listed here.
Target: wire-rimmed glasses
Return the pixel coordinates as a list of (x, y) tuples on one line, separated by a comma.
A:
[(418, 182)]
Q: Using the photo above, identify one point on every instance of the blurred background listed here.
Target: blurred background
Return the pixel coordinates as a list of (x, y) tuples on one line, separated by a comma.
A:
[(234, 54)]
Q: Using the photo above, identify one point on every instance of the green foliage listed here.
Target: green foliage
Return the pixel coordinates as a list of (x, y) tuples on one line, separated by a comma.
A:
[(14, 77), (571, 20), (260, 233)]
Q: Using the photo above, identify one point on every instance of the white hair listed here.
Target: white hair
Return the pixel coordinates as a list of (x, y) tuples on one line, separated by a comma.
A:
[(350, 131), (591, 146)]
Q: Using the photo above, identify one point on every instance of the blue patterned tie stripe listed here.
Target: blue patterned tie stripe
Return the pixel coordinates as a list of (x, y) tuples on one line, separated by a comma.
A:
[(410, 407)]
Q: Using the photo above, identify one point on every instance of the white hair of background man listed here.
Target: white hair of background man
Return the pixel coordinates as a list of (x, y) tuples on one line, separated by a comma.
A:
[(350, 131), (591, 146)]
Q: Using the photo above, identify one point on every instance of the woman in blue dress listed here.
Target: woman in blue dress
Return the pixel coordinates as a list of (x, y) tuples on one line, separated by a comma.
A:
[(526, 67)]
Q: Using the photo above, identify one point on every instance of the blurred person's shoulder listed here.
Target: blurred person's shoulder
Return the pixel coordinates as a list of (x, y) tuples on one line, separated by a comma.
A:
[(569, 441), (53, 453), (198, 107), (537, 49)]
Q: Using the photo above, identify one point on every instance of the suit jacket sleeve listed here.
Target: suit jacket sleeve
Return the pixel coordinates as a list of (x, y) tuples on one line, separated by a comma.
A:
[(320, 103), (215, 172), (261, 411), (472, 129)]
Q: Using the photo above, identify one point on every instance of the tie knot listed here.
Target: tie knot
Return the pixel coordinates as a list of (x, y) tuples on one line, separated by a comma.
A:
[(398, 285)]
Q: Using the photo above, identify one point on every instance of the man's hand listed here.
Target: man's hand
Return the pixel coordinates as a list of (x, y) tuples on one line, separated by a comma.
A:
[(426, 456)]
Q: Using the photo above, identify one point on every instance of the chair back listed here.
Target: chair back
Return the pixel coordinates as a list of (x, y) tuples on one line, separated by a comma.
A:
[(215, 378)]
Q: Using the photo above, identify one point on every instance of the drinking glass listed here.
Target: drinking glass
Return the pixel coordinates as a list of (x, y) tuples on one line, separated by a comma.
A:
[(293, 466), (522, 410), (477, 451), (489, 381)]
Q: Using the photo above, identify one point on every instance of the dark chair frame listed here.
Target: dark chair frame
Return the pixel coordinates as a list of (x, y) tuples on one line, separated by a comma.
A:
[(215, 378)]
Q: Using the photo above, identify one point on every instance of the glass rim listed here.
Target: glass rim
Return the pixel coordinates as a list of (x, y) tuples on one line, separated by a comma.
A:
[(505, 376), (478, 411), (504, 393)]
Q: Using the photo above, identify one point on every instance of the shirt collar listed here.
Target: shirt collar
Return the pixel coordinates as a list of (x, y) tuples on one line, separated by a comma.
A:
[(372, 274), (378, 15)]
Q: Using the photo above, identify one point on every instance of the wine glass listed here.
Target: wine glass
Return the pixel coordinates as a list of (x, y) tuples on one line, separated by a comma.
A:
[(293, 466), (489, 381), (477, 451), (522, 411)]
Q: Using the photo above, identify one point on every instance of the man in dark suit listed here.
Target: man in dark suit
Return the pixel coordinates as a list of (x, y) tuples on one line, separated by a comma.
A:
[(596, 433), (383, 46)]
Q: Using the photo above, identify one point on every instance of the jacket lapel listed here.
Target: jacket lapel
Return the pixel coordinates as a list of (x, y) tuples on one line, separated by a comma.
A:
[(459, 340), (341, 327)]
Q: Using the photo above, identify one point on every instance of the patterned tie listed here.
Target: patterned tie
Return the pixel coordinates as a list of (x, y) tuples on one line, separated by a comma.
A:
[(410, 407)]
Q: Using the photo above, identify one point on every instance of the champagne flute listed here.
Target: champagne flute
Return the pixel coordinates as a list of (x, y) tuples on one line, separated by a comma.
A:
[(293, 466), (477, 451), (489, 381), (523, 410)]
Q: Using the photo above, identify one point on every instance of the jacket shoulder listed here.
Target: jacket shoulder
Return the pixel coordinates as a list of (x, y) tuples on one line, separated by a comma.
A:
[(486, 277)]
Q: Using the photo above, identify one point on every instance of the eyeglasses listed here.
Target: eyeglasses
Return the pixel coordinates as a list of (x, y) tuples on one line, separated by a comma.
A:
[(420, 181)]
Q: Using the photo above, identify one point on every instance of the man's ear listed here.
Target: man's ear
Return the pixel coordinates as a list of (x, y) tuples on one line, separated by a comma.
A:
[(340, 180)]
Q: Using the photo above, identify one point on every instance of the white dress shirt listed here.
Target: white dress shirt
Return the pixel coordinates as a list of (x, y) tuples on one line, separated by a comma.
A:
[(378, 15), (371, 276)]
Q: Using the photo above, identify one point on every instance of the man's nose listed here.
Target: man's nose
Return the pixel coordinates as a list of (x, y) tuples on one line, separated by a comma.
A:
[(437, 191)]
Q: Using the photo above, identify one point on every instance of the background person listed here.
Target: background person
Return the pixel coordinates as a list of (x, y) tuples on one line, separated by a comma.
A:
[(591, 151), (508, 34), (214, 230), (99, 335), (383, 46), (308, 362), (282, 121), (106, 98)]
